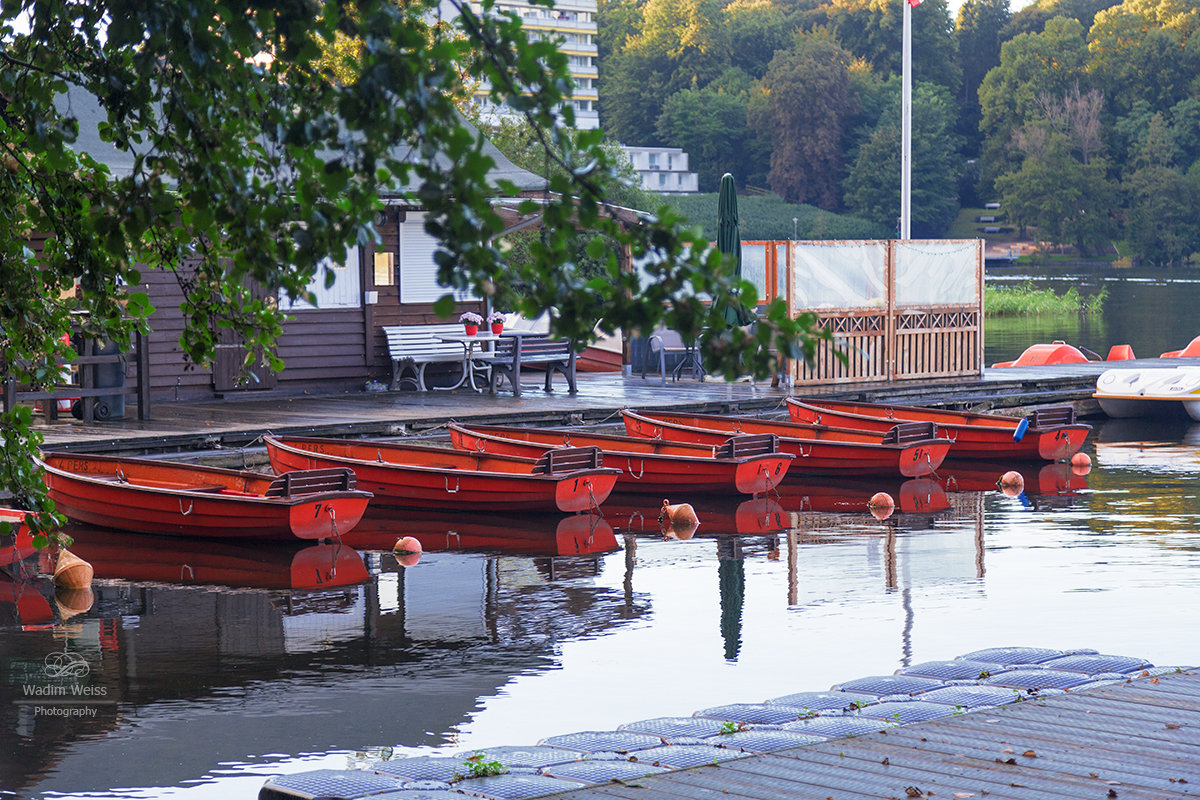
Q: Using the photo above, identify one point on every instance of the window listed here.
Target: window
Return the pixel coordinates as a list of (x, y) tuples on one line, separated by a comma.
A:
[(417, 269), (344, 293)]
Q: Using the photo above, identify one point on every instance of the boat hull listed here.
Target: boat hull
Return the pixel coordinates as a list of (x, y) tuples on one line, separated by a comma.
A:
[(437, 478), (1150, 392), (975, 436), (144, 496), (646, 466), (822, 451)]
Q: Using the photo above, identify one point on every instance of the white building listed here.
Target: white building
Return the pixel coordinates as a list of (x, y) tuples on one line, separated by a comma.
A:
[(663, 169), (572, 23)]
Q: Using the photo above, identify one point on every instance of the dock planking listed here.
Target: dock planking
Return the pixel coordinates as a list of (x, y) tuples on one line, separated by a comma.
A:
[(238, 421), (1139, 739)]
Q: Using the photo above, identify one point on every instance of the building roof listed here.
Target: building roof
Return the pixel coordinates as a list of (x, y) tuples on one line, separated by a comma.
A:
[(81, 104)]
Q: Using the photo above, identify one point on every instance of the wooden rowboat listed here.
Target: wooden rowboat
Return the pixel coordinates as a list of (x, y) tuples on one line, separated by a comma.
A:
[(909, 449), (163, 497), (739, 465), (1050, 434), (415, 476), (18, 544)]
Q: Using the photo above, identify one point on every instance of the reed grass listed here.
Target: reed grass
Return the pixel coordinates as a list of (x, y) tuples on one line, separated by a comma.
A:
[(1027, 300)]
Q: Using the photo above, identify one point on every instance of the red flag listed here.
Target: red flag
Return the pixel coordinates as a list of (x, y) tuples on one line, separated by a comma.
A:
[(914, 3)]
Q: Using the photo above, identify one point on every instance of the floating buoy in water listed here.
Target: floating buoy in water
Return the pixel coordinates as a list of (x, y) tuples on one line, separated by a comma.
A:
[(681, 514), (881, 505), (407, 551), (1081, 460), (682, 531), (71, 571), (1012, 483)]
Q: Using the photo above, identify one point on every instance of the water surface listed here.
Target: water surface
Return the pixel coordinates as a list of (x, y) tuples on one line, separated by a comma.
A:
[(221, 666)]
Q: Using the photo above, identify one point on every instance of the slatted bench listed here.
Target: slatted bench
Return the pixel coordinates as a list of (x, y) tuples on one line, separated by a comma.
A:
[(748, 444), (568, 459), (513, 352), (1049, 417), (312, 481), (418, 346), (909, 432)]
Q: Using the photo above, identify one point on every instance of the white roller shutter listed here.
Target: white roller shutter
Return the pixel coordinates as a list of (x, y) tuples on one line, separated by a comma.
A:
[(418, 270)]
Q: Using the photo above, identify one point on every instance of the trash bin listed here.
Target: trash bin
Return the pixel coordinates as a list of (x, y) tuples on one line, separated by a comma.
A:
[(107, 376)]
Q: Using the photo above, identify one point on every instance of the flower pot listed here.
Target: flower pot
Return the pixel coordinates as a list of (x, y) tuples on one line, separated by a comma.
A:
[(471, 329), (497, 327)]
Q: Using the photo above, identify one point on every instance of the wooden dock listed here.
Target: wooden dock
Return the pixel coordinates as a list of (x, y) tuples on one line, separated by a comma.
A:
[(237, 422), (1130, 740)]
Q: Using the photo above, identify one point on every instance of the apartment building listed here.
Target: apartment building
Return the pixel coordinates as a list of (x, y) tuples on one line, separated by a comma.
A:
[(572, 23)]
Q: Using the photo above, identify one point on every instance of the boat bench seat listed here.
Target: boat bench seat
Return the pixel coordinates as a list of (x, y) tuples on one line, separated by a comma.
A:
[(908, 432), (511, 354), (568, 459), (311, 481), (748, 445), (1047, 417), (417, 346)]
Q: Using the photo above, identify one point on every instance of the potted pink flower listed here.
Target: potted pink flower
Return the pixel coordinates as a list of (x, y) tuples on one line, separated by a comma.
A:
[(496, 320), (471, 322)]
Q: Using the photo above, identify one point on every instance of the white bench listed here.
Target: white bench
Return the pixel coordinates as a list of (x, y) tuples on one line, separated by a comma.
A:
[(417, 346)]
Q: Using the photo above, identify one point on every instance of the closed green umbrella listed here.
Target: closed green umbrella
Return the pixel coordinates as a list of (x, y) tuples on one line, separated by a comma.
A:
[(729, 241)]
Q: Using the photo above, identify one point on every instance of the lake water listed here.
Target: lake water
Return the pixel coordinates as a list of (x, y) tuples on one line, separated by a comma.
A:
[(209, 673), (1152, 310)]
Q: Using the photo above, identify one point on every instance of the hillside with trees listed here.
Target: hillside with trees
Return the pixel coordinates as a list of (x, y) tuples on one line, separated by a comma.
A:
[(1081, 116)]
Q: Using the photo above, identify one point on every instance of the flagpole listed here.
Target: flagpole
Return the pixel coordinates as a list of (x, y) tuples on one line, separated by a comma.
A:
[(906, 126)]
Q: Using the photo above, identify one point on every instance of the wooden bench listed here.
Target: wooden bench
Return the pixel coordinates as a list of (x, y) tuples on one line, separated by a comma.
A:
[(1049, 417), (515, 351), (909, 432), (568, 459), (312, 481), (417, 346), (750, 444)]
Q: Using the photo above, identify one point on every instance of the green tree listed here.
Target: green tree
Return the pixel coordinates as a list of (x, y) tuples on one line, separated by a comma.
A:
[(977, 43), (1032, 65), (1069, 202), (753, 30), (677, 46), (872, 188), (255, 169), (1139, 51), (873, 30), (806, 98), (710, 125), (1161, 214)]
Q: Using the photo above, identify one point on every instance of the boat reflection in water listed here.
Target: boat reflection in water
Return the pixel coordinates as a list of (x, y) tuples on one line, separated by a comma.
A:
[(530, 534), (1058, 485), (186, 561)]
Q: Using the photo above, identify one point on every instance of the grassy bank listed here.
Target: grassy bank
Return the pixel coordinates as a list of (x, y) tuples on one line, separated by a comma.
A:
[(1025, 299)]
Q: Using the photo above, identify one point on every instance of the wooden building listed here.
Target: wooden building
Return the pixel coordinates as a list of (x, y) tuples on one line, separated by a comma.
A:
[(334, 344)]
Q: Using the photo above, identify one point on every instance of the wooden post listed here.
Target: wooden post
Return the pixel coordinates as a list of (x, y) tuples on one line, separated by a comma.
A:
[(143, 375)]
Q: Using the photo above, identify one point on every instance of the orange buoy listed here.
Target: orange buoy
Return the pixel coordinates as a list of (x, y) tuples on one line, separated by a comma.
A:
[(681, 514), (1081, 460), (407, 551), (881, 505), (71, 571), (1012, 483)]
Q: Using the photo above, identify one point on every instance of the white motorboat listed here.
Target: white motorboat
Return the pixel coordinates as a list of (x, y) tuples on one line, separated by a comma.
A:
[(1153, 391)]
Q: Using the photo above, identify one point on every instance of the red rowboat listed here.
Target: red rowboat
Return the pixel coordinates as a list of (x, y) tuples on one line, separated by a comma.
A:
[(741, 464), (417, 476), (18, 544), (908, 449), (1049, 434), (163, 497)]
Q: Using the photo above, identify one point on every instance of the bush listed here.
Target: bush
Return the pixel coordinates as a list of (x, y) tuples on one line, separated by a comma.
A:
[(769, 218)]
